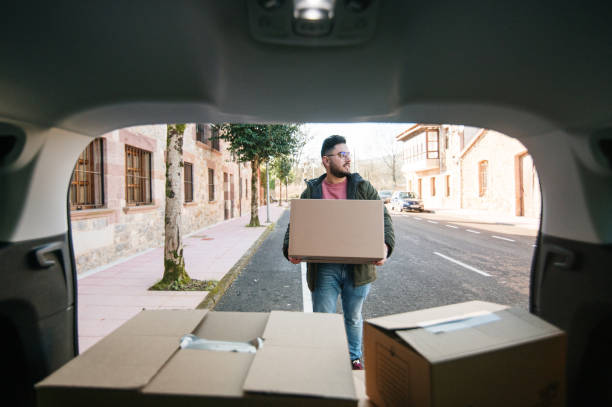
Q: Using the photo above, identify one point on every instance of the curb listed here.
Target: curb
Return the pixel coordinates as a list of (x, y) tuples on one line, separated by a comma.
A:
[(216, 294)]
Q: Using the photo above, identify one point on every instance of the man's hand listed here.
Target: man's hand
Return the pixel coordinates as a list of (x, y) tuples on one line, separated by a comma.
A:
[(381, 262), (295, 260)]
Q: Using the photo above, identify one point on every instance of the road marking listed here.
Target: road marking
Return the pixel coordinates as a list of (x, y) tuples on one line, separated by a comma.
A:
[(472, 231), (452, 226), (432, 221), (418, 218), (535, 245), (462, 264), (306, 298), (502, 238)]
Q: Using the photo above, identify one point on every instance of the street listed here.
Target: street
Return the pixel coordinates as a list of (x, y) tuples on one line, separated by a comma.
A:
[(437, 260)]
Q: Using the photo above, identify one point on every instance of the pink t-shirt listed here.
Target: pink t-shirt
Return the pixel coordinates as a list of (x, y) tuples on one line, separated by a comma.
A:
[(334, 191)]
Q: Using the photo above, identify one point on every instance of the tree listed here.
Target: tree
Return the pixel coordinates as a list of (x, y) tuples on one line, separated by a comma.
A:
[(174, 263), (282, 169), (257, 143), (392, 157)]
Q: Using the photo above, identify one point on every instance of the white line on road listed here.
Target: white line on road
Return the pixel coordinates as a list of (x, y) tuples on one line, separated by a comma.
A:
[(502, 238), (432, 221), (472, 231), (452, 226), (462, 264), (306, 298), (418, 218)]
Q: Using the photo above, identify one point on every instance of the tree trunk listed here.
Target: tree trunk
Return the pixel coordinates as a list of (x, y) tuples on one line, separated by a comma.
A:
[(254, 194), (174, 263), (280, 193)]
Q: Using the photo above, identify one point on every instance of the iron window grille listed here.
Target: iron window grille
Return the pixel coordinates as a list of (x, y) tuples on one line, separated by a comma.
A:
[(188, 178), (483, 168), (211, 184), (137, 176), (87, 181)]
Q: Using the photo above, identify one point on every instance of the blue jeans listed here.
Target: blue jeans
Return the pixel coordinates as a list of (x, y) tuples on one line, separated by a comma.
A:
[(337, 279)]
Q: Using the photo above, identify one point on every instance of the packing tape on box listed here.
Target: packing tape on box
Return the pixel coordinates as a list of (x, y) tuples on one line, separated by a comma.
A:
[(190, 341), (463, 323)]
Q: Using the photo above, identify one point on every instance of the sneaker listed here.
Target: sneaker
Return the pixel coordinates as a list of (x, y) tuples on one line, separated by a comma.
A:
[(357, 364)]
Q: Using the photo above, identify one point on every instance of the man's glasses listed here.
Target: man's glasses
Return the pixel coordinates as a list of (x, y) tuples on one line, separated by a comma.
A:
[(345, 155)]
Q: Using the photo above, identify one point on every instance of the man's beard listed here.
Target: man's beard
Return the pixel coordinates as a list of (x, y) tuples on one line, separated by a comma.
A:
[(338, 171)]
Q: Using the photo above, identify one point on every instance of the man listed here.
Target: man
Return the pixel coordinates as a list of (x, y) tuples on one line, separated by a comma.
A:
[(350, 281)]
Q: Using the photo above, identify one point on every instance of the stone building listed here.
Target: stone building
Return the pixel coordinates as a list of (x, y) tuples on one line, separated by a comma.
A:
[(499, 175), (451, 167), (117, 191)]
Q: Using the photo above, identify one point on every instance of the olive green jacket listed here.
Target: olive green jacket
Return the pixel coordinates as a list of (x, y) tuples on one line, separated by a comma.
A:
[(357, 188)]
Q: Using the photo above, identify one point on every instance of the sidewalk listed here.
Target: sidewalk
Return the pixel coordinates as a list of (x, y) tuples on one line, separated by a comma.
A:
[(494, 218), (110, 295)]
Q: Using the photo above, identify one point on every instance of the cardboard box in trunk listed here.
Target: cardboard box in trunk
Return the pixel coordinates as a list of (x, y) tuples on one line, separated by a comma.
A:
[(469, 354), (337, 230), (304, 361)]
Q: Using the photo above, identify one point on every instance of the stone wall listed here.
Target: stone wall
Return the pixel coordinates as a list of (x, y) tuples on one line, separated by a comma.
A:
[(107, 234), (501, 154)]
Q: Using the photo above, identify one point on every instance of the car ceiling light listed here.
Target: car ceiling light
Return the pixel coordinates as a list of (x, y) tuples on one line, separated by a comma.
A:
[(313, 10), (315, 23)]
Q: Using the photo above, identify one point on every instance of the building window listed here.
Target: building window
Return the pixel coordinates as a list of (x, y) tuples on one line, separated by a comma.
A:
[(448, 185), (433, 145), (433, 186), (138, 176), (420, 187), (188, 177), (211, 184), (482, 177), (205, 134), (201, 134), (87, 182), (215, 141)]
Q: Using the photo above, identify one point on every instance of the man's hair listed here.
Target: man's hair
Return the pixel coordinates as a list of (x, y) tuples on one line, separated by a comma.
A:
[(330, 142)]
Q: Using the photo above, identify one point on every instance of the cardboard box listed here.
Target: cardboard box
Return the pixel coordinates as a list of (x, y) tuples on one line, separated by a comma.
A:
[(469, 354), (304, 361), (337, 230)]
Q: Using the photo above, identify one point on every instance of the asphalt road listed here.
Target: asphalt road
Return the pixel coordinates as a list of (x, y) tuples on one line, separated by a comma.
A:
[(436, 261)]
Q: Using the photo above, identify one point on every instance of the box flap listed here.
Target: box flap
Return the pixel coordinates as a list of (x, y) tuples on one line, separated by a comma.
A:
[(508, 327), (232, 326), (437, 315), (312, 330), (202, 373), (116, 361), (312, 219), (300, 371), (167, 322)]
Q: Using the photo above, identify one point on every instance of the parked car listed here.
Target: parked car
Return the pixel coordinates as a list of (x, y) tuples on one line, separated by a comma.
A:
[(537, 71), (385, 195), (406, 201)]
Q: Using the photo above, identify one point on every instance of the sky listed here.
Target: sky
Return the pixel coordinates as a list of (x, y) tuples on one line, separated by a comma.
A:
[(365, 140)]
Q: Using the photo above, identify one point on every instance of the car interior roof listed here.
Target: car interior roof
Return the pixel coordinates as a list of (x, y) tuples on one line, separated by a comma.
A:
[(537, 71), (92, 67)]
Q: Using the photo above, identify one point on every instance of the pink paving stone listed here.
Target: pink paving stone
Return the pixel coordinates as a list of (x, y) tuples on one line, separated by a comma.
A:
[(97, 312), (101, 327), (110, 297), (86, 342)]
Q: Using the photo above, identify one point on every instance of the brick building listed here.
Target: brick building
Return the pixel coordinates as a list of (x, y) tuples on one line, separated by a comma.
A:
[(117, 192), (453, 167)]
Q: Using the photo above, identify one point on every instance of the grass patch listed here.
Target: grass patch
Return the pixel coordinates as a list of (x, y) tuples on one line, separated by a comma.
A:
[(192, 285)]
